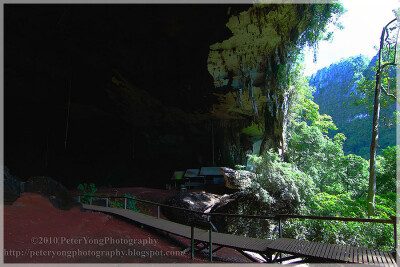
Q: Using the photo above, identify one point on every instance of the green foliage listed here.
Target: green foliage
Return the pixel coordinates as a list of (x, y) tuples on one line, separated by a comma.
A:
[(253, 130), (115, 204), (337, 87), (280, 181), (321, 16), (381, 76), (386, 171), (131, 203), (380, 236), (88, 191), (303, 107), (267, 39), (313, 153), (240, 167), (319, 178), (342, 181), (276, 187), (366, 88), (353, 173), (323, 159)]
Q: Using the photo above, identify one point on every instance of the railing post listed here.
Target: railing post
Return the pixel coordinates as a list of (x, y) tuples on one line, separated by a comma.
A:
[(280, 233), (192, 241), (107, 202), (280, 226), (158, 212), (210, 238), (90, 201), (125, 204), (394, 218), (210, 241)]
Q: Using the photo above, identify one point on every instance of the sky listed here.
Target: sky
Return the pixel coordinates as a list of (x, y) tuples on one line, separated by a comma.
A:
[(363, 23)]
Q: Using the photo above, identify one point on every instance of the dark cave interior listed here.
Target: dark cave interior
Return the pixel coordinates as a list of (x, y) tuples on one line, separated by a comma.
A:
[(117, 95)]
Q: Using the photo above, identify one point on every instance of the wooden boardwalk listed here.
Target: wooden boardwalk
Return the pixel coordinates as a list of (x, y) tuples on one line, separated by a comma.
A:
[(232, 241), (335, 253), (266, 248), (161, 224)]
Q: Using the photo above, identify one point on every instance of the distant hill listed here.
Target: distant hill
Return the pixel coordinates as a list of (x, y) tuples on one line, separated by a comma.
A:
[(334, 86)]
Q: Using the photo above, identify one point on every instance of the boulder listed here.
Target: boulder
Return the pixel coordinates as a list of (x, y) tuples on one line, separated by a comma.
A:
[(54, 191), (237, 179), (242, 203), (197, 201), (13, 188)]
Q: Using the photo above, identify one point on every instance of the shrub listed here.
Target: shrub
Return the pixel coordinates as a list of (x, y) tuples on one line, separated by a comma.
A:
[(88, 192), (380, 236), (280, 183), (131, 203)]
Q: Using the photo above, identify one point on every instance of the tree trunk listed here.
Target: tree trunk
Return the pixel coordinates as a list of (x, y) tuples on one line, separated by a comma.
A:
[(375, 133), (374, 146), (375, 122)]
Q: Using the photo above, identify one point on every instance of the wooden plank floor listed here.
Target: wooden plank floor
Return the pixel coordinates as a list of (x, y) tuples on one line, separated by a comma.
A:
[(238, 242), (168, 226), (233, 241), (332, 252), (336, 253)]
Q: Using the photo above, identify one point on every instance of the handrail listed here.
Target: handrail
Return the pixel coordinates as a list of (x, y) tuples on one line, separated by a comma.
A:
[(272, 217), (331, 218)]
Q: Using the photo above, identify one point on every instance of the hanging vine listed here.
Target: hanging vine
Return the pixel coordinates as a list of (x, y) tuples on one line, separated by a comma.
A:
[(263, 47)]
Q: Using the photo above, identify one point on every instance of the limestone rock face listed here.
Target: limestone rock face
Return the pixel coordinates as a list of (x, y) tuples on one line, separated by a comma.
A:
[(242, 203), (237, 179), (236, 203), (197, 201), (255, 62), (57, 194), (13, 188), (225, 200)]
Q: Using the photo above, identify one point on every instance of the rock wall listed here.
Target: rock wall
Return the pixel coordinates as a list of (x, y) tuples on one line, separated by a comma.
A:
[(13, 188), (254, 65)]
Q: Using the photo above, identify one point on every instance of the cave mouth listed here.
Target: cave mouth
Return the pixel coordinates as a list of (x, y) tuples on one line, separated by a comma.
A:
[(117, 95)]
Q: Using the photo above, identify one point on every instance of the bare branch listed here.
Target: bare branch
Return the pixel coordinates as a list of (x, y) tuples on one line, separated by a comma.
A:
[(388, 64), (395, 44), (393, 63), (390, 95), (390, 22)]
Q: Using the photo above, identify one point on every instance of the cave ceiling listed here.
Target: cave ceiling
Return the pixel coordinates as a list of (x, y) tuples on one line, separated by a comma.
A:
[(138, 63)]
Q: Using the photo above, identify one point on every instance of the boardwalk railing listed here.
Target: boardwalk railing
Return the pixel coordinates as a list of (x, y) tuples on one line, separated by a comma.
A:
[(278, 217)]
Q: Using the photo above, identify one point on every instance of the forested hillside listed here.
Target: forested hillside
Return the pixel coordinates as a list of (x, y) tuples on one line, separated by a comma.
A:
[(335, 93)]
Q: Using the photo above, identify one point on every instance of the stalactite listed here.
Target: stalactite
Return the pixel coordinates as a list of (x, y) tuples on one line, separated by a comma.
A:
[(251, 96), (277, 58), (272, 57), (239, 97)]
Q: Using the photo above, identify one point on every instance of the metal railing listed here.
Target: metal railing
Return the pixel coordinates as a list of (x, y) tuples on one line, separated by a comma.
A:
[(277, 217)]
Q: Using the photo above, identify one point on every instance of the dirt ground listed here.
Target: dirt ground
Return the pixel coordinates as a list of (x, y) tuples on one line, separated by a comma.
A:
[(36, 232)]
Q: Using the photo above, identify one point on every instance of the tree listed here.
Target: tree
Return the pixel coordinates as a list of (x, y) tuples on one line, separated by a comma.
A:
[(386, 171), (386, 57)]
